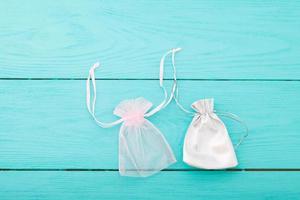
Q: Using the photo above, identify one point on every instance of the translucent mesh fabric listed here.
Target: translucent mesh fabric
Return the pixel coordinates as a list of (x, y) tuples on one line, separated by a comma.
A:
[(143, 150)]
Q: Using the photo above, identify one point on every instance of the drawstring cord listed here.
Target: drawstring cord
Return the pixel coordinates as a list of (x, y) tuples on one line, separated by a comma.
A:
[(166, 100), (237, 119), (91, 80), (91, 107)]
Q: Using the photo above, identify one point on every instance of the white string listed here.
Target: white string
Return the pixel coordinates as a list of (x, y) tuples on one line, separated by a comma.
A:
[(166, 100), (238, 119), (91, 108)]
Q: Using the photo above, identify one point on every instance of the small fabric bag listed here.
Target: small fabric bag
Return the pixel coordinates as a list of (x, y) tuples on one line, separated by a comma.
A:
[(207, 144), (143, 150)]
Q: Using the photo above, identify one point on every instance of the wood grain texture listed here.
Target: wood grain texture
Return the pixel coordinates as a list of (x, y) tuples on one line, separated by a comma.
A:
[(45, 129), (45, 124), (166, 185), (233, 39)]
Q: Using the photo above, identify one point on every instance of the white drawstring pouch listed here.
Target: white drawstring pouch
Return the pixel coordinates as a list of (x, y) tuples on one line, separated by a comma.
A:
[(207, 143)]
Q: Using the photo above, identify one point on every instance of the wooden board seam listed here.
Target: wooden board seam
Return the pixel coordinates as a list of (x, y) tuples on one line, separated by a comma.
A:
[(142, 79), (166, 170)]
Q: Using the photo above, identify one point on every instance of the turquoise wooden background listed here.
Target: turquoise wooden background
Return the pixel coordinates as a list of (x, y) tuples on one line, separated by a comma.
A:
[(245, 54)]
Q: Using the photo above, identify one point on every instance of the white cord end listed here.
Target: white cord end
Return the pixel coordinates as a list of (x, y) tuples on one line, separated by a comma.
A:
[(96, 65)]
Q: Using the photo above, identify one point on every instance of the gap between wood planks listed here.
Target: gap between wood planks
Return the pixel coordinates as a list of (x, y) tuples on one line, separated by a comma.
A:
[(166, 170), (146, 79)]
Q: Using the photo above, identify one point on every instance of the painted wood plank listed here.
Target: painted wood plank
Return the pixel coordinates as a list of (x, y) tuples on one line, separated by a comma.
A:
[(45, 124), (234, 39), (166, 185)]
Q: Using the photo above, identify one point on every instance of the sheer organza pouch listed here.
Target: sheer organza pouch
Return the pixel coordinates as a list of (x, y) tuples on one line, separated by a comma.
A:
[(143, 150)]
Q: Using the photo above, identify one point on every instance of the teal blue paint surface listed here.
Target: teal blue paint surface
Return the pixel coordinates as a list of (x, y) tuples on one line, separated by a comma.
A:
[(245, 54), (46, 124), (166, 185), (231, 39)]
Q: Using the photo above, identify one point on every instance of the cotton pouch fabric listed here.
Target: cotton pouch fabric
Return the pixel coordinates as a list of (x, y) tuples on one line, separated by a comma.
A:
[(207, 143)]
